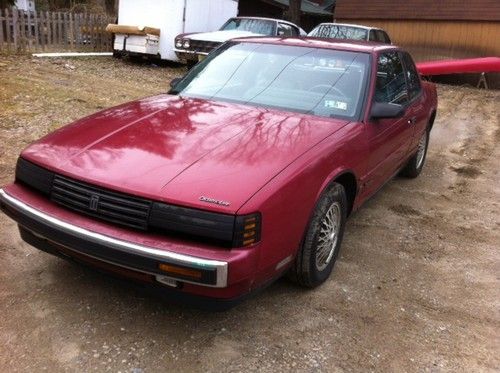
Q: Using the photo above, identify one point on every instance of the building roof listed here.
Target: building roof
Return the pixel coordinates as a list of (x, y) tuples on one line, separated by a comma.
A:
[(455, 10), (309, 6)]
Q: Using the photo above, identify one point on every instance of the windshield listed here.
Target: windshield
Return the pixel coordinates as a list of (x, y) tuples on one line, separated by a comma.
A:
[(323, 82), (257, 26), (339, 32)]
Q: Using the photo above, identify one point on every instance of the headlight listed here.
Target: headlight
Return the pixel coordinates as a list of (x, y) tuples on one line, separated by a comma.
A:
[(226, 229), (178, 43), (186, 44), (34, 176)]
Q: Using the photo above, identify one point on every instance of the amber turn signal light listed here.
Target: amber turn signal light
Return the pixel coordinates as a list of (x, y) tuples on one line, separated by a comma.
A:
[(180, 271), (247, 230)]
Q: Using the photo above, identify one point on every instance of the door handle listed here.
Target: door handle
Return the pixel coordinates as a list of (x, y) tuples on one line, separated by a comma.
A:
[(412, 120)]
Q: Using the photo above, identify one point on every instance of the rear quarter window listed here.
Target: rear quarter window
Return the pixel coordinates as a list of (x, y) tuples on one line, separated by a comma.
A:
[(412, 77)]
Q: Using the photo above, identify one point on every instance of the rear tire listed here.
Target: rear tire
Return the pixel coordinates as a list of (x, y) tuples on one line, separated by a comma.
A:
[(416, 163), (321, 244)]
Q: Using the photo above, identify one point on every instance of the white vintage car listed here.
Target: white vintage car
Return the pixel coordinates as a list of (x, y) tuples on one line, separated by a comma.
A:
[(190, 48)]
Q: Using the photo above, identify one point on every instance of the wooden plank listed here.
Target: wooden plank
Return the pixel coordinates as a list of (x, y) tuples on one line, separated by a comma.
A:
[(42, 30), (66, 30), (71, 33), (23, 39), (83, 31), (55, 30), (37, 31), (49, 30), (1, 29), (64, 34), (90, 32), (15, 29), (84, 27), (60, 38), (77, 31), (93, 34), (98, 33), (29, 30), (102, 34), (8, 22)]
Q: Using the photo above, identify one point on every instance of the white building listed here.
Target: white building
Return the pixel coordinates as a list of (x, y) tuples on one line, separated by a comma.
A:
[(26, 5)]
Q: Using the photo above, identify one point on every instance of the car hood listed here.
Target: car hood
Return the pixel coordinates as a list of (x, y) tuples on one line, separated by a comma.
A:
[(222, 36), (178, 149)]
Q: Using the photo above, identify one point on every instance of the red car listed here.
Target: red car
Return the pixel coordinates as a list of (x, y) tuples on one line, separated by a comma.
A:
[(245, 171)]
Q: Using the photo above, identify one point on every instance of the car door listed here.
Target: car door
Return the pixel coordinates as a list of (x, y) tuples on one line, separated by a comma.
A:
[(387, 139), (415, 112)]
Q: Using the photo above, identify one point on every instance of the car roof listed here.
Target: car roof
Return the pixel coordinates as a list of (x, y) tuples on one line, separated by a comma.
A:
[(267, 19), (349, 25), (337, 44)]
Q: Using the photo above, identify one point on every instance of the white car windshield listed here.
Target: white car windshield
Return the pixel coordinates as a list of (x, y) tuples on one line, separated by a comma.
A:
[(323, 82), (339, 32), (257, 26)]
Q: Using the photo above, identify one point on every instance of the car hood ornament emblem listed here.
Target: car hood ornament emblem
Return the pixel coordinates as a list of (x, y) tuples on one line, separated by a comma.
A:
[(214, 201)]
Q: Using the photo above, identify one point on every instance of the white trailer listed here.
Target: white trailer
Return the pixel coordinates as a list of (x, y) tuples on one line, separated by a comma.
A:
[(149, 27)]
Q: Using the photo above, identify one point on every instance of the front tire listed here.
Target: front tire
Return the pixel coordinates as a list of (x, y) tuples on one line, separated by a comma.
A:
[(321, 245), (416, 163)]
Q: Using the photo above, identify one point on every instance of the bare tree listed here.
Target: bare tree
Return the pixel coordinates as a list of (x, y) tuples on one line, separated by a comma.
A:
[(294, 11)]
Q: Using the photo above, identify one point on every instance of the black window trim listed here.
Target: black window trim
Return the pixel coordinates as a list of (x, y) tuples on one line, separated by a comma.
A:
[(405, 68)]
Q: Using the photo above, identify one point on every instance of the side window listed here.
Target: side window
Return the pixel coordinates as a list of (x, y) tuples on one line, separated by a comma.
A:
[(381, 36), (386, 37), (412, 76), (284, 29), (295, 31), (391, 83), (373, 36)]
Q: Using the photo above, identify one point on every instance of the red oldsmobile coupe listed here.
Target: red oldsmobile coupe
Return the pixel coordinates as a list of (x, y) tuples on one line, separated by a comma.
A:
[(246, 170)]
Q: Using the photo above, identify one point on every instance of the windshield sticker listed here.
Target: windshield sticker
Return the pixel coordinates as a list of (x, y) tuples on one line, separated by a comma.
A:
[(333, 104)]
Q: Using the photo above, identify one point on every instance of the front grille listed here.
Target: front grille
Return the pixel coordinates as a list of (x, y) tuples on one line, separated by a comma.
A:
[(115, 207), (103, 204), (203, 46)]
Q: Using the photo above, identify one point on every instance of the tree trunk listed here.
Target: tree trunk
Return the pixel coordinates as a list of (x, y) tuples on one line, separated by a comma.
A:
[(294, 11)]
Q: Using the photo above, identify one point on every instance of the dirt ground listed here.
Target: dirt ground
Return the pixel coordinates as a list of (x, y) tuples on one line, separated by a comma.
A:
[(416, 287)]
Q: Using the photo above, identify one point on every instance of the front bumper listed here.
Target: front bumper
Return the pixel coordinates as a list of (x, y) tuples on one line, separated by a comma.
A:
[(118, 252), (189, 55)]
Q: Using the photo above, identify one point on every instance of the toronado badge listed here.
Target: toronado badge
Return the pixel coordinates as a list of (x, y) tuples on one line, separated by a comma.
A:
[(214, 201)]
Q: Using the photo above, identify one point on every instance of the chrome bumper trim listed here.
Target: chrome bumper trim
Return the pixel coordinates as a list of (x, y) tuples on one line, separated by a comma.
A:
[(126, 246), (189, 52)]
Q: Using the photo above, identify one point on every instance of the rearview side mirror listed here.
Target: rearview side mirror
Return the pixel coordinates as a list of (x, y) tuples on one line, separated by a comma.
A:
[(386, 110)]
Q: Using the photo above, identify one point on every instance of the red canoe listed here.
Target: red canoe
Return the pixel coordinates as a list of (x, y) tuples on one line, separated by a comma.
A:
[(470, 65)]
